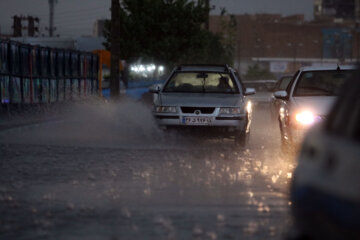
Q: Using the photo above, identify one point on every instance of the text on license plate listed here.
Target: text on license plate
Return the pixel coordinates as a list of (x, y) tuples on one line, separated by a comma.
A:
[(197, 120)]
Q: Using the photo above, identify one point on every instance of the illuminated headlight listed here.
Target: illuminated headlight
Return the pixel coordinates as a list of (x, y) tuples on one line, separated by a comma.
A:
[(305, 118), (165, 109), (230, 110)]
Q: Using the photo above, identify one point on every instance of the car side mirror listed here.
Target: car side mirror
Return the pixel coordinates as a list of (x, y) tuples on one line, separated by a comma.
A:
[(281, 95), (155, 88), (249, 91)]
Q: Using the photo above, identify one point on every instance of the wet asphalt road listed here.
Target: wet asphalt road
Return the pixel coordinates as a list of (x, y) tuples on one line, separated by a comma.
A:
[(97, 173)]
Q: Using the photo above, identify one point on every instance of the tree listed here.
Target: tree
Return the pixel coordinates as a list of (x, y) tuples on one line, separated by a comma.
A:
[(228, 32), (115, 50), (167, 32)]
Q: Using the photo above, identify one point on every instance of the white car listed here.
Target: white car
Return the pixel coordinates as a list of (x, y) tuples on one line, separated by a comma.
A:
[(308, 100), (325, 190), (204, 96)]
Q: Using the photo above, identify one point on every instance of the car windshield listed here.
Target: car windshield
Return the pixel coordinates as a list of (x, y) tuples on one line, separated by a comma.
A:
[(321, 83), (201, 82)]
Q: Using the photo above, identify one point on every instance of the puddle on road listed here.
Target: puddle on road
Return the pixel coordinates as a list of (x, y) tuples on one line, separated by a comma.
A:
[(179, 183)]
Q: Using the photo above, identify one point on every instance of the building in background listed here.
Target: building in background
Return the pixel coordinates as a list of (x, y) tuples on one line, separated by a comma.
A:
[(98, 29), (283, 44), (337, 9), (23, 26), (317, 9)]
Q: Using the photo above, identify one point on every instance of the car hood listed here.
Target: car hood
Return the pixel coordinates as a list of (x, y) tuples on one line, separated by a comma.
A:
[(200, 99), (319, 105)]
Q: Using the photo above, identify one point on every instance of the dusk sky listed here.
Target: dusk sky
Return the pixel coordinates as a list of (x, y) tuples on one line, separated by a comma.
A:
[(76, 17)]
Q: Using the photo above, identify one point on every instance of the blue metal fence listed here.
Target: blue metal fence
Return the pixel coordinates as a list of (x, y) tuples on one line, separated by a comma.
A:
[(34, 74)]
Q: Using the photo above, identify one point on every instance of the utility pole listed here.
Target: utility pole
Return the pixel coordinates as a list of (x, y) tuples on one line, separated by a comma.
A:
[(115, 50), (51, 17)]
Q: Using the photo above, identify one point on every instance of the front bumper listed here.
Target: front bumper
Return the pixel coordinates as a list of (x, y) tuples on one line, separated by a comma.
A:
[(235, 121)]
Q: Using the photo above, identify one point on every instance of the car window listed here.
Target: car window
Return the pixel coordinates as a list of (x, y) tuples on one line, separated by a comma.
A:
[(283, 83), (200, 82), (321, 83)]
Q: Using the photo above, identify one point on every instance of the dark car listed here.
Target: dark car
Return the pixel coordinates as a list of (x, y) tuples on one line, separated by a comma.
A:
[(325, 191)]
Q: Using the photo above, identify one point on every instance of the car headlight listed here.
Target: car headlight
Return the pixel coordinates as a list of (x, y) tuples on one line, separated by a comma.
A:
[(305, 118), (165, 109), (235, 110)]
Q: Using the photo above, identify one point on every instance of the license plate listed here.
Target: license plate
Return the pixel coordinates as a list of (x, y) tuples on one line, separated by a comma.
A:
[(197, 120)]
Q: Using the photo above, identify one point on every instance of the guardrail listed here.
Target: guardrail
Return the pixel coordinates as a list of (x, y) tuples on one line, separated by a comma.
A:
[(41, 75)]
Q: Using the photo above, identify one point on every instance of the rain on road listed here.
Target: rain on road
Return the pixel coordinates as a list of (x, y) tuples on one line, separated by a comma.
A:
[(106, 171)]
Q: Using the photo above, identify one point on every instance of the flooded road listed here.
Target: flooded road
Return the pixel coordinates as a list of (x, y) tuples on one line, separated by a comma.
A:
[(107, 172)]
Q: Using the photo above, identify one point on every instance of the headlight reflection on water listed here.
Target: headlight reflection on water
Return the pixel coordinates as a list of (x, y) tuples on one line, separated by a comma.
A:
[(249, 107)]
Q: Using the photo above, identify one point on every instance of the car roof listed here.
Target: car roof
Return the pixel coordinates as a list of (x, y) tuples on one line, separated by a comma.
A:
[(203, 67), (332, 67)]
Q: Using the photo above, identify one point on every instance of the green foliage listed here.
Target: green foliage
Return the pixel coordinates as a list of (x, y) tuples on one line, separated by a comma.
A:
[(228, 25), (169, 32), (257, 73)]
